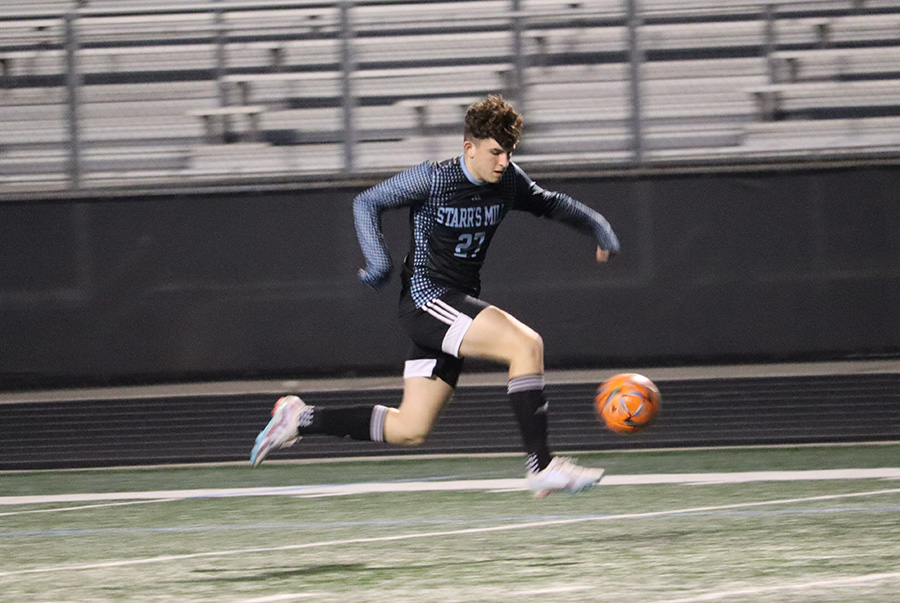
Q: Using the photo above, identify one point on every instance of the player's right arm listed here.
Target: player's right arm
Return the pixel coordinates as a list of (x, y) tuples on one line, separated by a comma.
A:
[(406, 188), (563, 208)]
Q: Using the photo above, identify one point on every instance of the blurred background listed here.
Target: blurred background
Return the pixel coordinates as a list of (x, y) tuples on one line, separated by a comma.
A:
[(176, 181), (103, 93)]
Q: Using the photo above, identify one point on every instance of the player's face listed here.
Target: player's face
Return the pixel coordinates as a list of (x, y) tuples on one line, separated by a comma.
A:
[(486, 159)]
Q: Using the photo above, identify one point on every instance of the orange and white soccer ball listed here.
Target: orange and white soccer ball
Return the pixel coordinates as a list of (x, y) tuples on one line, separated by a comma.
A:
[(627, 402)]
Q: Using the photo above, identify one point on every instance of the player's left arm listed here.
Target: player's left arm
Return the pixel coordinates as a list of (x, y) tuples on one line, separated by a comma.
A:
[(563, 208)]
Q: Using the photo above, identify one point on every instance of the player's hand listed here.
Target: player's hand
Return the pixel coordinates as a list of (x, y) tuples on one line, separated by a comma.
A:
[(373, 278), (603, 255)]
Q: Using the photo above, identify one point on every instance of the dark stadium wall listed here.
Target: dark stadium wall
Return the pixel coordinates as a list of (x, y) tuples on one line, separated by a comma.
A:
[(714, 268)]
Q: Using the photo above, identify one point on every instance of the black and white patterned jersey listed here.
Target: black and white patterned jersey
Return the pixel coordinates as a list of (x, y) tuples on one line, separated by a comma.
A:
[(453, 218)]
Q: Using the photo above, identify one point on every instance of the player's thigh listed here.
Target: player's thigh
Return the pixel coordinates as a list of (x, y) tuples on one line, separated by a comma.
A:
[(423, 400), (498, 335)]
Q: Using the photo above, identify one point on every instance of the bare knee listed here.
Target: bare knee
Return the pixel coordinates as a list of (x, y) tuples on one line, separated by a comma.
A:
[(528, 356), (532, 345), (423, 399), (398, 429), (409, 437)]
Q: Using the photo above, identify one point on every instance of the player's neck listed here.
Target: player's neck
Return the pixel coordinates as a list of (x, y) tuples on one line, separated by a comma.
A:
[(463, 162)]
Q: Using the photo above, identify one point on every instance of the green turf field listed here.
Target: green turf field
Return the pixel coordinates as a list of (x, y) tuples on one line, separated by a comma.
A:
[(649, 533)]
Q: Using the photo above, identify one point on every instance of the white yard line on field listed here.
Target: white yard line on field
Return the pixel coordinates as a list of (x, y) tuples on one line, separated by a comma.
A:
[(452, 485), (284, 597), (84, 507), (439, 534), (552, 590)]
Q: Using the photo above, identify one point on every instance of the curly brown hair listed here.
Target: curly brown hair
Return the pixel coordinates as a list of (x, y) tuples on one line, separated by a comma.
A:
[(494, 118)]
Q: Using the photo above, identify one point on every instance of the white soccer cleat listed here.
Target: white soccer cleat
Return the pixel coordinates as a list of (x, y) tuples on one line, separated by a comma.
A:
[(281, 432), (562, 475)]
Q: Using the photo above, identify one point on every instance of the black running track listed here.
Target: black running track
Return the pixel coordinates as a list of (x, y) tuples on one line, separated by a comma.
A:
[(702, 412)]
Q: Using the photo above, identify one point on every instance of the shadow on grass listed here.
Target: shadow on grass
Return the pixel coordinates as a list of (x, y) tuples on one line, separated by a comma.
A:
[(265, 574), (215, 575)]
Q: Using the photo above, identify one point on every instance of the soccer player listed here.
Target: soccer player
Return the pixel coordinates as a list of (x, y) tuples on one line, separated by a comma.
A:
[(455, 208)]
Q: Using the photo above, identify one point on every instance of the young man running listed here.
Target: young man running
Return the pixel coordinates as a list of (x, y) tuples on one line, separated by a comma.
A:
[(455, 208)]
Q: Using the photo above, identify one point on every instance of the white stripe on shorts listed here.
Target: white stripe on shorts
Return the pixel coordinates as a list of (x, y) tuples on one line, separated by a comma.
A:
[(441, 311), (450, 310)]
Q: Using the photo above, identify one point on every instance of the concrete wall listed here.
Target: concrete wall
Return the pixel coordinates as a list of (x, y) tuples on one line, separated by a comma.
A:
[(717, 267)]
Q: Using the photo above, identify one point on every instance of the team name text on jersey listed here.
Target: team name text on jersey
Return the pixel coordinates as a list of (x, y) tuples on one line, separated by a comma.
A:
[(469, 217)]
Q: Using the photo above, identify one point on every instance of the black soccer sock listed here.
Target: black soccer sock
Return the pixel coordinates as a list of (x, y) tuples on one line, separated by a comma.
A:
[(362, 422), (527, 397)]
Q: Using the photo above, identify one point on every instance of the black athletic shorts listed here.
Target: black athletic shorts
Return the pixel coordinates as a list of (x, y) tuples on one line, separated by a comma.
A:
[(437, 330)]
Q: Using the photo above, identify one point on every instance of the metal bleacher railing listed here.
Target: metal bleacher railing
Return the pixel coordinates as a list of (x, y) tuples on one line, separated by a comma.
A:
[(96, 93)]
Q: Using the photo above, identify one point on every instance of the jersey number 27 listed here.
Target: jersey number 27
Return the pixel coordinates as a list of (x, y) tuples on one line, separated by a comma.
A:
[(469, 244)]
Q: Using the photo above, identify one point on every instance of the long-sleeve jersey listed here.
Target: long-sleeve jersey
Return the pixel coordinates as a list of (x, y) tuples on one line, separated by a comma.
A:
[(453, 218)]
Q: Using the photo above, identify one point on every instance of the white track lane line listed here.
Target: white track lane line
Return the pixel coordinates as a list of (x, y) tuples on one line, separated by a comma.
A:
[(749, 592), (441, 534), (457, 485)]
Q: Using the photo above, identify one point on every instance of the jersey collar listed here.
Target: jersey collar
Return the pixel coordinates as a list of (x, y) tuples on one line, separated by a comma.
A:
[(469, 176)]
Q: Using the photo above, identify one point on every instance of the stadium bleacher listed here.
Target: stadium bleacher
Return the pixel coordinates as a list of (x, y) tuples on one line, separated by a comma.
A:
[(175, 92)]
